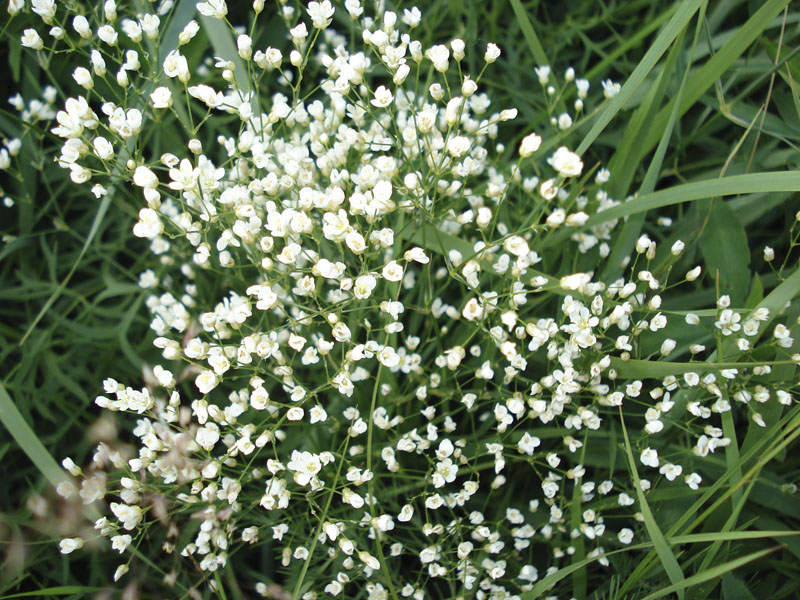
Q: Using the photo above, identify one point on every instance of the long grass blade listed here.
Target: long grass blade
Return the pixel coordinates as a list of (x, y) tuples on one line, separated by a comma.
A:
[(28, 441), (710, 574), (98, 220), (665, 555), (664, 40)]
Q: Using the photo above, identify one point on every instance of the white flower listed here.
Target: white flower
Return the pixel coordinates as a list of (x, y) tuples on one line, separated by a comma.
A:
[(244, 46), (299, 33), (120, 571), (305, 466), (392, 272), (670, 471), (161, 97), (416, 254), (517, 246), (129, 516), (206, 381), (132, 30), (14, 6), (543, 73), (68, 545), (31, 39), (527, 444), (693, 480), (610, 88), (213, 8), (649, 457), (45, 9), (321, 13), (549, 190), (108, 34), (363, 287), (355, 241), (149, 224), (458, 145), (144, 177), (295, 413), (388, 357), (492, 53), (439, 55), (472, 310), (317, 414), (103, 148), (383, 97), (458, 47), (576, 281), (412, 17), (121, 542), (175, 65), (189, 31), (468, 87), (149, 24), (405, 513), (568, 164), (530, 144)]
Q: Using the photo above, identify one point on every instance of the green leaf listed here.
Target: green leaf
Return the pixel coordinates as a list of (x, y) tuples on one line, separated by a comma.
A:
[(221, 38), (665, 554), (531, 38), (32, 446), (98, 220), (756, 294), (781, 181), (671, 30), (710, 574), (734, 589), (28, 441), (725, 249), (550, 580), (720, 62), (15, 60)]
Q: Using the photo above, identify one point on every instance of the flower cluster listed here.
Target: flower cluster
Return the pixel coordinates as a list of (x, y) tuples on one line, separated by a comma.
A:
[(382, 360)]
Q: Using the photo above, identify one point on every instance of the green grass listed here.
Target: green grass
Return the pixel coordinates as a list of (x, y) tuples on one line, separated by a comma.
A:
[(705, 131)]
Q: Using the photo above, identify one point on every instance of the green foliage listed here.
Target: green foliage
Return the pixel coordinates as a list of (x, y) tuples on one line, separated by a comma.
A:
[(703, 134)]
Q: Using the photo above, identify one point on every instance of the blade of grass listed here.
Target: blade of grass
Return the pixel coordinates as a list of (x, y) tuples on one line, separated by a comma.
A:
[(665, 555), (28, 441), (535, 46), (739, 503), (781, 181), (632, 228), (784, 433), (710, 574), (98, 220), (221, 38), (706, 75), (667, 36), (544, 584)]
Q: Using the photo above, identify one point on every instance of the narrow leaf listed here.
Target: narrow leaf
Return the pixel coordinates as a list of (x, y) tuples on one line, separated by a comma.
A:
[(782, 181), (725, 249), (28, 441), (710, 574)]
